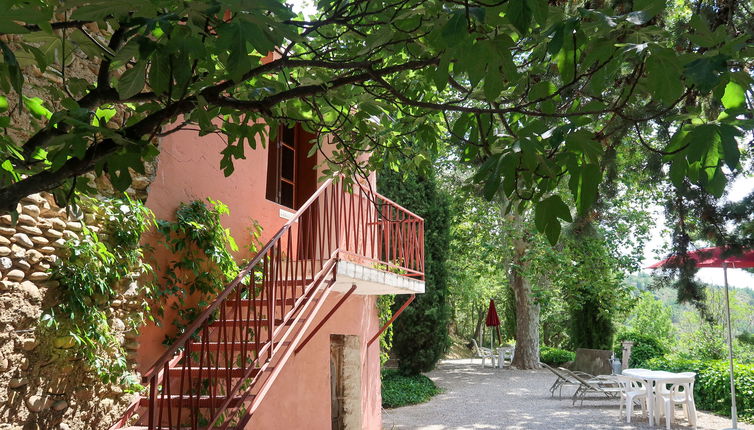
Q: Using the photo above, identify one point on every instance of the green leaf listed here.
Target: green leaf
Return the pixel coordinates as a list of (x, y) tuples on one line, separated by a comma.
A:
[(520, 15), (706, 72), (132, 81), (159, 72), (3, 104), (734, 96), (731, 152), (664, 75), (540, 11), (14, 70), (584, 183), (541, 90), (582, 142), (678, 171), (455, 30), (239, 61), (546, 214), (552, 231), (36, 107), (102, 116), (700, 139)]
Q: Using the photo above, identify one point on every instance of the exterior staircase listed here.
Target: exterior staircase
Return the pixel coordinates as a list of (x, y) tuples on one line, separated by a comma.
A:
[(217, 373)]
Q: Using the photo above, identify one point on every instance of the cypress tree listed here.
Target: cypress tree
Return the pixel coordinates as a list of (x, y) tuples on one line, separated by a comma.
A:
[(421, 332)]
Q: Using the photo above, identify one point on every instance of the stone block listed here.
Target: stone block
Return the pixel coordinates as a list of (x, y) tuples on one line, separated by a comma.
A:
[(5, 263), (34, 256), (29, 344), (38, 404), (22, 264), (39, 240), (17, 383), (4, 241), (31, 210), (4, 251), (24, 219), (74, 226), (23, 240), (58, 224), (47, 249), (35, 199), (39, 276), (30, 290), (7, 231), (17, 251), (15, 275), (29, 229), (53, 234)]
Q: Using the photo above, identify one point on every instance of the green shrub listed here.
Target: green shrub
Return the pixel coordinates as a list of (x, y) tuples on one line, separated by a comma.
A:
[(645, 348), (555, 356), (420, 334), (712, 388), (399, 390)]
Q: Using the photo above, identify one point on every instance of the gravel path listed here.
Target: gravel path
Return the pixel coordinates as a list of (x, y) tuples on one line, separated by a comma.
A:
[(477, 398)]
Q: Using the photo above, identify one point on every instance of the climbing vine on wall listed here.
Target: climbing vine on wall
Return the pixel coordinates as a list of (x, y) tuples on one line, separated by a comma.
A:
[(201, 264), (385, 312), (90, 274)]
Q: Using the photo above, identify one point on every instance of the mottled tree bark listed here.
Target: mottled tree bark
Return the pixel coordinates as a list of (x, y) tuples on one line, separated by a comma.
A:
[(527, 312)]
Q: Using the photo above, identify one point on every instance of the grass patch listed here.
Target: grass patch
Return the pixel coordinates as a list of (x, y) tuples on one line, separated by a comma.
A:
[(399, 390)]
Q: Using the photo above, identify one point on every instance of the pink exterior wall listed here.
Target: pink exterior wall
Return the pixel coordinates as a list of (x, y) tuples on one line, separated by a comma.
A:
[(300, 398), (188, 169)]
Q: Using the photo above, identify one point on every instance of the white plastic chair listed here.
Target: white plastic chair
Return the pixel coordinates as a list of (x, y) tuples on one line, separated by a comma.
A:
[(484, 353), (632, 392), (505, 355), (672, 392)]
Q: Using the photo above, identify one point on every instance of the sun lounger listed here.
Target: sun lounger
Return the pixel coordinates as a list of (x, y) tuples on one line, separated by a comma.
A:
[(601, 385)]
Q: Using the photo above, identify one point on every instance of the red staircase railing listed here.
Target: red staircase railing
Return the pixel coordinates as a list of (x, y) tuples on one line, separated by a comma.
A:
[(218, 371)]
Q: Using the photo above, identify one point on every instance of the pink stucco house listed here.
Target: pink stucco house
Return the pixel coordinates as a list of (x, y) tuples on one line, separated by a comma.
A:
[(292, 342)]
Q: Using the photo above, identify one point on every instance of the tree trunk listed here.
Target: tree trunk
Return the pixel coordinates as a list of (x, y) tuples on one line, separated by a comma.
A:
[(527, 312), (479, 326)]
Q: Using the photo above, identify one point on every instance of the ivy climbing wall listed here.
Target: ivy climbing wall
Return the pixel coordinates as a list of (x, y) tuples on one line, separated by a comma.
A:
[(44, 384)]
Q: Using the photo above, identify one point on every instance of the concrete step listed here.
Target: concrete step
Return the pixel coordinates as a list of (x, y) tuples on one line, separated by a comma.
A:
[(185, 401), (204, 372)]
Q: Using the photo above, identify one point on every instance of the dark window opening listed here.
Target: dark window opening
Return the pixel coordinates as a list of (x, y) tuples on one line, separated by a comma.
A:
[(291, 174)]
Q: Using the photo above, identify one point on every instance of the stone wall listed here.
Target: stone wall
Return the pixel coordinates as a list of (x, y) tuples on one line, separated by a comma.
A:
[(44, 384)]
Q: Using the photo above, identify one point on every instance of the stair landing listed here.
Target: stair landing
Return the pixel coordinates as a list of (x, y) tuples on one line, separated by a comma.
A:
[(373, 281)]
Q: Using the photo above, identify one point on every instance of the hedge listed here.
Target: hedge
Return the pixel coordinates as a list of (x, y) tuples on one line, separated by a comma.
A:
[(400, 390), (712, 388), (645, 348), (555, 356)]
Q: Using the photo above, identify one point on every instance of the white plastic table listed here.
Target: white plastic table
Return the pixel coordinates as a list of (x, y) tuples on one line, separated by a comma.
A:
[(652, 379), (502, 352)]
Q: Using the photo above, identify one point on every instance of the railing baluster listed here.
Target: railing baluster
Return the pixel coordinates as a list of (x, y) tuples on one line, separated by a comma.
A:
[(333, 223), (152, 395)]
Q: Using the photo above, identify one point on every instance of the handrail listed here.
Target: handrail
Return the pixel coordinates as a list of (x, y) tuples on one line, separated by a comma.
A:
[(236, 345), (204, 316)]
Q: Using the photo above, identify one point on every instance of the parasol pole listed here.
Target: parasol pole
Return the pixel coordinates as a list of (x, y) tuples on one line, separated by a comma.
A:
[(733, 412)]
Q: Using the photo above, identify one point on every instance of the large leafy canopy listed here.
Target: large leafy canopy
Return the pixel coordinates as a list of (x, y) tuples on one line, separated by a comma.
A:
[(534, 92)]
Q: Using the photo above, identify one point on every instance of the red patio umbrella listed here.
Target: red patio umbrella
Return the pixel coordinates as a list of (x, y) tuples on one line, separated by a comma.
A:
[(718, 257), (493, 321)]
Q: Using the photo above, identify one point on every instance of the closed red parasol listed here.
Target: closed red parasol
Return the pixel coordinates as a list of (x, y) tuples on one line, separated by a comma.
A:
[(493, 321), (725, 258)]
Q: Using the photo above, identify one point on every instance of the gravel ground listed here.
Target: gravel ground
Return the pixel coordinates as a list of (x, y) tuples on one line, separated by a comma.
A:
[(486, 398)]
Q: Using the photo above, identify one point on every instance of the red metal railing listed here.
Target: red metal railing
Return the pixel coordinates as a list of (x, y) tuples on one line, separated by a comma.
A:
[(218, 371)]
